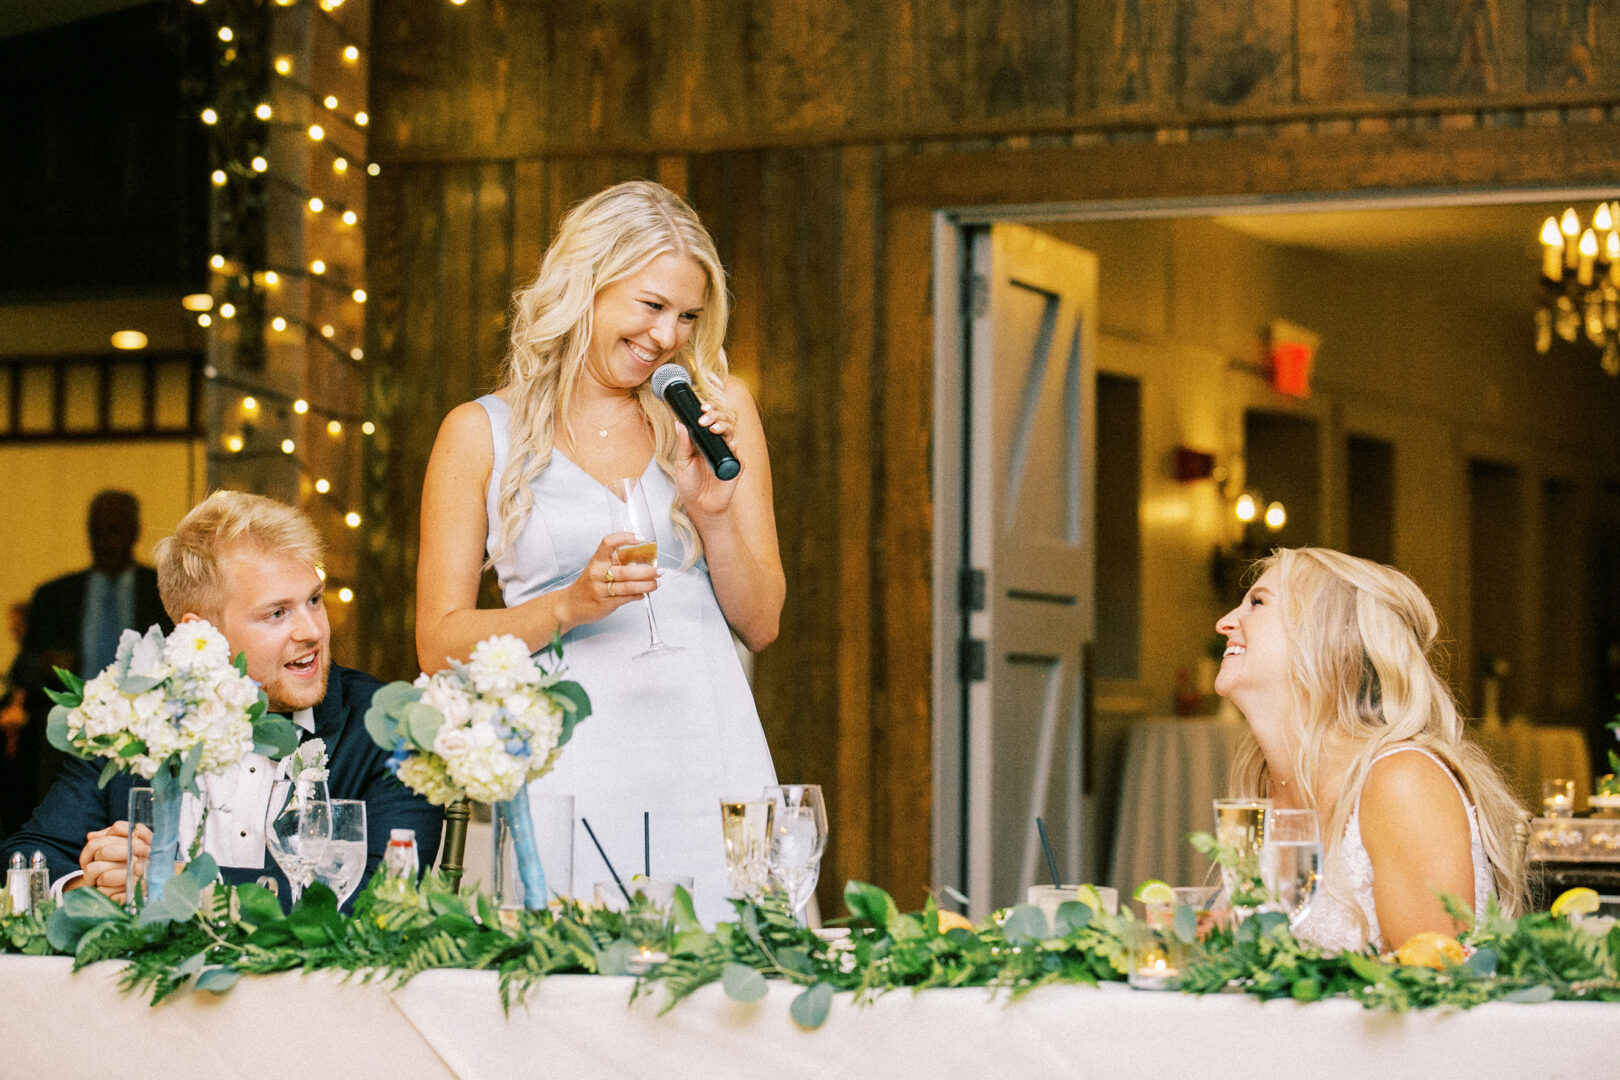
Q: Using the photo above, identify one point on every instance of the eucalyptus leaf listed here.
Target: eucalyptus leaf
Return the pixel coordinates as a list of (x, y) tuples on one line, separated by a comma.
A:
[(190, 965), (1072, 915), (1186, 924), (217, 980), (1531, 995), (743, 983), (422, 723), (108, 771), (1483, 962), (56, 730), (275, 736), (809, 1009), (1026, 924), (188, 769), (133, 685)]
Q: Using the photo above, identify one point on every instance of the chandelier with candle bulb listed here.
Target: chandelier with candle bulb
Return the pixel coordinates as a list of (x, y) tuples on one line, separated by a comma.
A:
[(1580, 280)]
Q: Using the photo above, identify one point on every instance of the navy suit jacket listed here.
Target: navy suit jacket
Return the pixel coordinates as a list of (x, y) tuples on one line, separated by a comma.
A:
[(357, 769)]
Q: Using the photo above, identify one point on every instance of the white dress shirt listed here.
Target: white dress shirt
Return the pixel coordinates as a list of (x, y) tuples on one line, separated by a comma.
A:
[(237, 800)]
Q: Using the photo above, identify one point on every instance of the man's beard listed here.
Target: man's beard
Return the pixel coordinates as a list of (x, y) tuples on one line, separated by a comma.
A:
[(286, 699)]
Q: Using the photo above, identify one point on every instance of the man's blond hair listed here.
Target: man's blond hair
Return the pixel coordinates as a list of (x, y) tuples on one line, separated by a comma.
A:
[(190, 575)]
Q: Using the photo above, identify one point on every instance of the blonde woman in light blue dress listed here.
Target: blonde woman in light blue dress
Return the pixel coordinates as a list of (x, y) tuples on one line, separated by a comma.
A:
[(517, 481)]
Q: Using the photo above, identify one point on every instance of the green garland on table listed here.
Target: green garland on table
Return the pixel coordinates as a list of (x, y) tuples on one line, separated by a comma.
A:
[(207, 935)]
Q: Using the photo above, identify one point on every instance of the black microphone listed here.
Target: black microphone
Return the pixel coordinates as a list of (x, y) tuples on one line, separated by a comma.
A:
[(674, 388)]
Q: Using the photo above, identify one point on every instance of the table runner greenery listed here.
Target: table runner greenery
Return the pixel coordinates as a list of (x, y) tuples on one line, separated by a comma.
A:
[(206, 936)]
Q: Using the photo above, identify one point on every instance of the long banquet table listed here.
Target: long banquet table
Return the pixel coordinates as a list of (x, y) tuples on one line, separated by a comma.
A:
[(449, 1024)]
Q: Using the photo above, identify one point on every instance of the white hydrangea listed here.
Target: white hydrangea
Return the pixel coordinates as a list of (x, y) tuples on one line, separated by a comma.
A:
[(196, 645), (501, 664)]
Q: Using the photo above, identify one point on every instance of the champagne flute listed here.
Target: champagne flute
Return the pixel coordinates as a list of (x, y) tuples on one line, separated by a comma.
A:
[(344, 862), (746, 825), (628, 512), (297, 829), (798, 839), (1240, 829), (1291, 861)]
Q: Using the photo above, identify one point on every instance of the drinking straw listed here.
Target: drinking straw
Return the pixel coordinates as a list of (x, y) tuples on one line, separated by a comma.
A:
[(1051, 863), (605, 859), (646, 844)]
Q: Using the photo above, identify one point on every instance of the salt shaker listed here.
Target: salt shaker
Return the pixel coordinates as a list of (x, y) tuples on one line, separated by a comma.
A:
[(17, 885)]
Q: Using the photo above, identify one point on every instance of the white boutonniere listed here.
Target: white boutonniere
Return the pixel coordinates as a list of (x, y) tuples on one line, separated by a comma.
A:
[(308, 763)]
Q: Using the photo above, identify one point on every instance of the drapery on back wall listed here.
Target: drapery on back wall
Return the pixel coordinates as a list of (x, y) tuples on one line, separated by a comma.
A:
[(814, 137)]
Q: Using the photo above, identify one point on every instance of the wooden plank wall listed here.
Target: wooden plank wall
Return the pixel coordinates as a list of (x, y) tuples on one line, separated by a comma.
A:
[(813, 136)]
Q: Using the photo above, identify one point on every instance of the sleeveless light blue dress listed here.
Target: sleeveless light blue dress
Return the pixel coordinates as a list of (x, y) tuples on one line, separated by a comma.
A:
[(669, 735)]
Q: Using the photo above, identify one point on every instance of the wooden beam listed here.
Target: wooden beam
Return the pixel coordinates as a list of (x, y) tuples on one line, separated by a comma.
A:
[(1576, 154)]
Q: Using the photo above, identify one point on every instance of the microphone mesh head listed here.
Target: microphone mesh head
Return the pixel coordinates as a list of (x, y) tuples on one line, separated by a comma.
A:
[(666, 376)]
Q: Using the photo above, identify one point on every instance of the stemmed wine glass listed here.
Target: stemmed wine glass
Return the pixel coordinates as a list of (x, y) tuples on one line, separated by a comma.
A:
[(297, 829), (798, 839), (628, 512), (1291, 861), (344, 862)]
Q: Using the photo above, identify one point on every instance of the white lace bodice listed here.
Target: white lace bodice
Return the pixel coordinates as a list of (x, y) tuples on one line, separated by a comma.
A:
[(1331, 923)]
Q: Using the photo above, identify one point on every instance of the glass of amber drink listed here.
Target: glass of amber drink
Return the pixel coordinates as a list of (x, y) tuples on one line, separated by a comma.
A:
[(628, 512)]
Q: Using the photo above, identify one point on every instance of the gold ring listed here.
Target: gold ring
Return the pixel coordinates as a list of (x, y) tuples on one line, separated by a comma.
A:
[(609, 577)]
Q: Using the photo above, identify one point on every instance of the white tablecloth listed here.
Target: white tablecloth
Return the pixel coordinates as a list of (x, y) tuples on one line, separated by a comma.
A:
[(1174, 770), (449, 1024)]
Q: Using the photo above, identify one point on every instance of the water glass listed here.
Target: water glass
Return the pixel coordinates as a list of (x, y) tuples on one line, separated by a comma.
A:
[(798, 840), (1291, 861), (297, 828), (746, 825), (344, 863), (1049, 897)]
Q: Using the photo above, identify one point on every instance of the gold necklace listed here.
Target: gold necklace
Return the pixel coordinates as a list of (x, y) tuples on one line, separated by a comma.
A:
[(602, 432)]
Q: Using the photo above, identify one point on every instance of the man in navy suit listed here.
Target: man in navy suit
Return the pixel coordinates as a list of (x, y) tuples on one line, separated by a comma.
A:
[(74, 622), (248, 565)]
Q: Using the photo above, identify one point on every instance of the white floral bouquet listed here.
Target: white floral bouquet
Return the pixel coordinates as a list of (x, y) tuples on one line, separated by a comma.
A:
[(167, 710), (479, 730), (179, 702)]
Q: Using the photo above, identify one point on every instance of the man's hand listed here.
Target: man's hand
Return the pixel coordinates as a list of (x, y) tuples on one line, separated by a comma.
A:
[(105, 858)]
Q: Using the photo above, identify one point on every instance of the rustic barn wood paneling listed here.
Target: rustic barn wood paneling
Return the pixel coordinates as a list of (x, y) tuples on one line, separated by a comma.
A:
[(815, 139)]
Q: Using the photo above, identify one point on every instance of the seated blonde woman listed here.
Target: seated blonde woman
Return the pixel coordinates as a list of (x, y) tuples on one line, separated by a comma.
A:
[(1329, 659)]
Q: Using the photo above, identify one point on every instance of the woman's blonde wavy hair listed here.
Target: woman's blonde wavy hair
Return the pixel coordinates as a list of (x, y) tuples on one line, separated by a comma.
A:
[(608, 237), (1361, 665)]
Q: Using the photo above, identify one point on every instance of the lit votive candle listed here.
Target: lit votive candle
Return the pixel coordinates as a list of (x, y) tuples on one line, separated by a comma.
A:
[(644, 960), (1558, 798), (1153, 969)]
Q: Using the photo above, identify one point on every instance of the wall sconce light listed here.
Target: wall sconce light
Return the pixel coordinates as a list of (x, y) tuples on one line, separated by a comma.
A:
[(1258, 523)]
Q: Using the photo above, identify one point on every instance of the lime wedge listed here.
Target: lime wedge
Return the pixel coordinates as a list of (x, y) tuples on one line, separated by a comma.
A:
[(1154, 892)]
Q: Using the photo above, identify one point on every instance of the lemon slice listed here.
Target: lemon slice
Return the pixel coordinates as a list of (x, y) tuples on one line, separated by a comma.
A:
[(1576, 901), (1154, 892), (1426, 948)]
